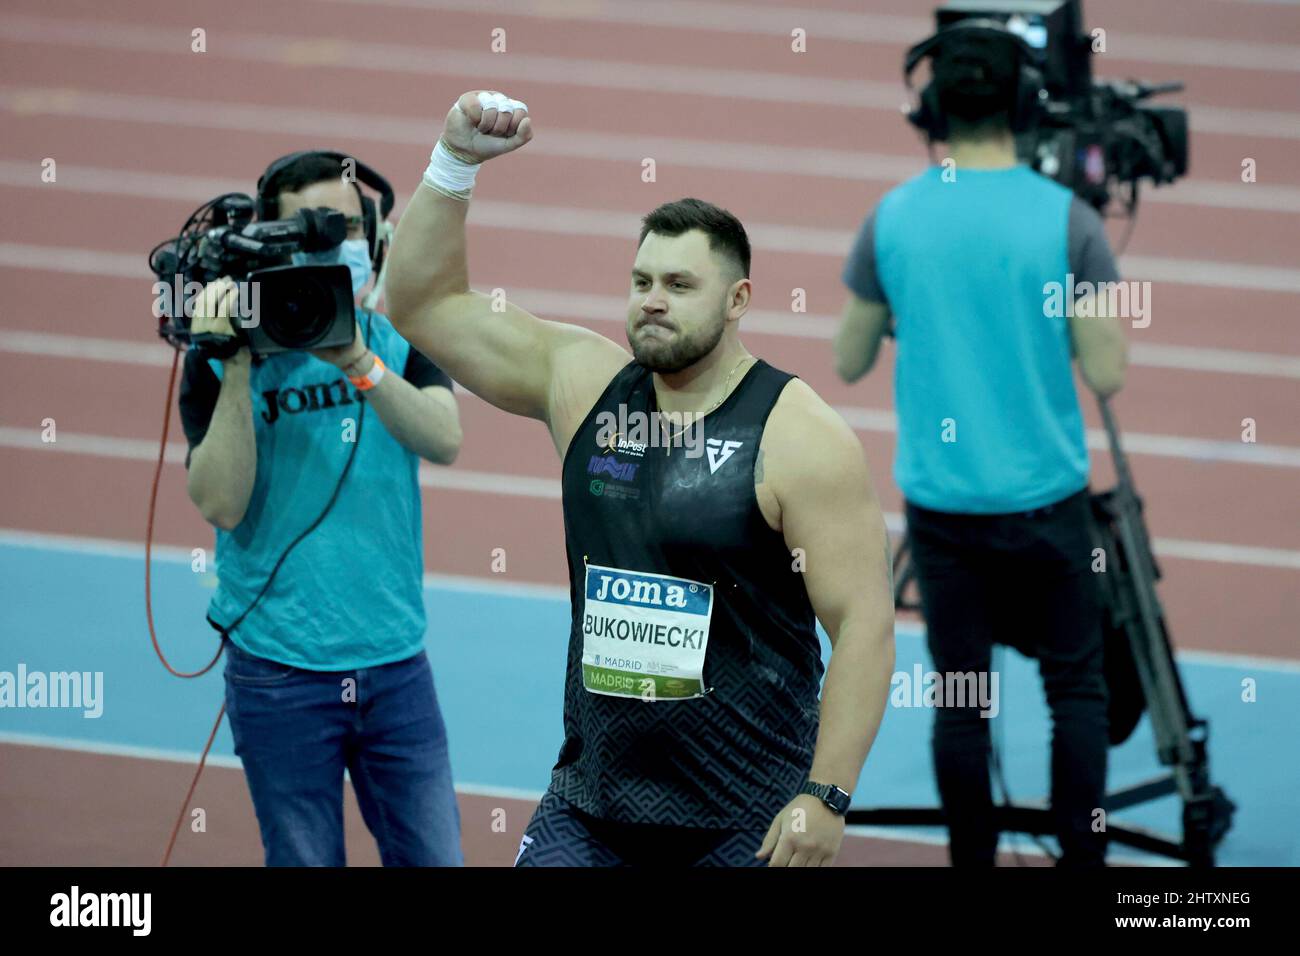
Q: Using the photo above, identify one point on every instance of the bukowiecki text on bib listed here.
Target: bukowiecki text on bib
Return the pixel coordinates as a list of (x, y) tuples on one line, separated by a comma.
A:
[(644, 635)]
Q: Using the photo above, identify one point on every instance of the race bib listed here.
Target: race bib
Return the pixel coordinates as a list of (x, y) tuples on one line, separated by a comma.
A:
[(644, 635)]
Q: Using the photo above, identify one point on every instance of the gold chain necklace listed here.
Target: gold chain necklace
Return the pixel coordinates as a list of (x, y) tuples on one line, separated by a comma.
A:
[(713, 407)]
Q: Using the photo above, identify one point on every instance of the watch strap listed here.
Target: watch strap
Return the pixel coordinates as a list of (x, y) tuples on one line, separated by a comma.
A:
[(834, 798)]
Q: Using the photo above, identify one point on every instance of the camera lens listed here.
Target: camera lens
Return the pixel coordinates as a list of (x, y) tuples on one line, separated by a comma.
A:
[(299, 310)]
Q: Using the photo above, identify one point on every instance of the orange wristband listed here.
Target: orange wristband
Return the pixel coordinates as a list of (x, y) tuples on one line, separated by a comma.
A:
[(368, 381)]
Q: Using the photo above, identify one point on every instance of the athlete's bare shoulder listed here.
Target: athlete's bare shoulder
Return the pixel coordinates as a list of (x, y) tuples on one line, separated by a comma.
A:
[(801, 419), (807, 448), (583, 363)]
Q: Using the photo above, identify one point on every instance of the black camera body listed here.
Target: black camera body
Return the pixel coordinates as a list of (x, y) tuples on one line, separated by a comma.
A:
[(1106, 136), (279, 307), (1087, 134)]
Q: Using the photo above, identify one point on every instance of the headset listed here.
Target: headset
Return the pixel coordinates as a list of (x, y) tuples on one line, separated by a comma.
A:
[(927, 115), (378, 231)]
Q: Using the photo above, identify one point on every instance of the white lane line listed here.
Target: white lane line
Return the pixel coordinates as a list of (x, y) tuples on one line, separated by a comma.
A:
[(864, 419), (805, 161), (100, 748), (104, 749), (573, 305), (624, 226), (870, 28), (494, 587), (228, 762), (1267, 3), (49, 345), (596, 74), (486, 482), (115, 548), (347, 53)]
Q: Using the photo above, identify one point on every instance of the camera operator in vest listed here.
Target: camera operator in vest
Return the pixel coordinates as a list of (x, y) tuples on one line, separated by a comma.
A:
[(325, 667), (956, 264)]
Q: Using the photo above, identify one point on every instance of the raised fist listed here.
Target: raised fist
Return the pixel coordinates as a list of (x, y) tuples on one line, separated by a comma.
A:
[(484, 123)]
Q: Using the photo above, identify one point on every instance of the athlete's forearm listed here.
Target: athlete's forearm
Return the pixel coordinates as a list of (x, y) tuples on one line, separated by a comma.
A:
[(853, 699), (428, 259)]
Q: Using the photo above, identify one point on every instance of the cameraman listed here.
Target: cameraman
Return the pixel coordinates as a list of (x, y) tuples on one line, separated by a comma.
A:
[(991, 457), (327, 672)]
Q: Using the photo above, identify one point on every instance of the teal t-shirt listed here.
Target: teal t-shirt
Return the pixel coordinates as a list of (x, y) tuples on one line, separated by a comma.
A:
[(350, 594), (988, 417)]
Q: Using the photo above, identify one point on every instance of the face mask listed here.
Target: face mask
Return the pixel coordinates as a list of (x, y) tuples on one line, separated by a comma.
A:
[(353, 253)]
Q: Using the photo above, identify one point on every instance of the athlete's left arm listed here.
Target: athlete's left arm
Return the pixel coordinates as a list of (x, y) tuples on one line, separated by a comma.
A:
[(818, 474)]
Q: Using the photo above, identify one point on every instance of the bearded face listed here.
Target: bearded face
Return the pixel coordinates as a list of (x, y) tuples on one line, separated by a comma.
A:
[(677, 309), (663, 347)]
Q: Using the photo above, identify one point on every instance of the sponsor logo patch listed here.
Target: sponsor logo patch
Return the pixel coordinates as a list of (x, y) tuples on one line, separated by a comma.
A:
[(601, 465), (719, 452)]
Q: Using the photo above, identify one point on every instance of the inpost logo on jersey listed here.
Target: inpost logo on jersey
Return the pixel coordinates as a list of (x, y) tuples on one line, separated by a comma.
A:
[(632, 432)]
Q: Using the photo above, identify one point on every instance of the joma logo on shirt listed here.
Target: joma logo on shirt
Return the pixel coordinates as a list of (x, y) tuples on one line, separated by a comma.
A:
[(309, 398), (641, 592)]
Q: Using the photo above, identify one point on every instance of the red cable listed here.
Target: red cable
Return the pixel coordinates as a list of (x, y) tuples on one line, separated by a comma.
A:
[(193, 783), (148, 605), (148, 534)]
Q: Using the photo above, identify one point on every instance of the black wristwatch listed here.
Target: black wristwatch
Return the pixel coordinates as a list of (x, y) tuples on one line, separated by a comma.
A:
[(829, 794)]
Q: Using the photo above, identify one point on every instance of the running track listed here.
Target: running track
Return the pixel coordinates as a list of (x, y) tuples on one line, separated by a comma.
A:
[(798, 145)]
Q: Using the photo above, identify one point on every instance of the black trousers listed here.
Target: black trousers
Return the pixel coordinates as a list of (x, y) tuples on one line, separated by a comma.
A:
[(1024, 580)]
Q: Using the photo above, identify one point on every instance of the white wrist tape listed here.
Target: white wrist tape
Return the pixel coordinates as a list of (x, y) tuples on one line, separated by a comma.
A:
[(450, 176)]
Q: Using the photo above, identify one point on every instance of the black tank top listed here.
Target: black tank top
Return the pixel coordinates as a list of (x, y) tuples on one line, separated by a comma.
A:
[(654, 534)]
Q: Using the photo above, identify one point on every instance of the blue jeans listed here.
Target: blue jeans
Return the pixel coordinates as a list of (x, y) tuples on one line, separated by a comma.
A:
[(297, 730)]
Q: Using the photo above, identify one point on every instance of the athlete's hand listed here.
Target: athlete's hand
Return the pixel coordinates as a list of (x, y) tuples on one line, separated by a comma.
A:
[(805, 833), (485, 123)]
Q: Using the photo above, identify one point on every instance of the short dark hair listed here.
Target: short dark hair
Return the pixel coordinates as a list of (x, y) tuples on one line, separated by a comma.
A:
[(726, 234), (302, 172)]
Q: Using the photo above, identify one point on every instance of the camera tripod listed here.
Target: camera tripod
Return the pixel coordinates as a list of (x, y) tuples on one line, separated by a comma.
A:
[(1141, 674)]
